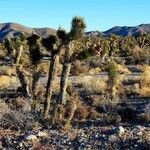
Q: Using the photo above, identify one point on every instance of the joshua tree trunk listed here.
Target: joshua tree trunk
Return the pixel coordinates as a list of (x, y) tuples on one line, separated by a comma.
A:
[(23, 81), (52, 73), (65, 75), (35, 78), (18, 55)]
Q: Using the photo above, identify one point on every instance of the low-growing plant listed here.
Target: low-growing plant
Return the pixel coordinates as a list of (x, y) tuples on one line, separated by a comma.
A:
[(91, 85)]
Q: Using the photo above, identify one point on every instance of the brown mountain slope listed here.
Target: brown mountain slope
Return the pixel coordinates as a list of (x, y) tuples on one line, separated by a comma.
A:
[(9, 30)]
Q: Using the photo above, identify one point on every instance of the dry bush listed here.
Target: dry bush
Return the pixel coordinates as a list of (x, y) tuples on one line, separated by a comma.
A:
[(81, 112), (3, 108), (144, 89), (145, 116), (139, 54), (110, 118), (17, 120), (22, 104), (5, 81), (40, 93), (78, 68), (43, 67), (93, 85)]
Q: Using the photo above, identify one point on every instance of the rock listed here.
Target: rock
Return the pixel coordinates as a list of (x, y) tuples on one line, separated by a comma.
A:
[(139, 133), (42, 134), (121, 131), (31, 137), (113, 138)]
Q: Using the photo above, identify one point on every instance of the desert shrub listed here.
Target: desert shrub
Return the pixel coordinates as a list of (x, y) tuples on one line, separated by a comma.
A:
[(92, 85), (17, 120), (3, 108), (81, 112), (23, 104), (43, 67), (115, 86), (110, 118), (139, 55), (144, 89), (145, 116), (78, 68), (2, 54)]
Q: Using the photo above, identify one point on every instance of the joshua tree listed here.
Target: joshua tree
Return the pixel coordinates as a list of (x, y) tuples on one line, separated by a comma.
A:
[(76, 32), (35, 57), (53, 45)]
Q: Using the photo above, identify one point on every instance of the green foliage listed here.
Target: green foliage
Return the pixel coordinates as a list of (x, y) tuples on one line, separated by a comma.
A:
[(112, 72), (62, 35), (77, 28), (86, 53), (105, 48), (8, 46), (35, 55), (49, 42), (32, 40), (34, 49)]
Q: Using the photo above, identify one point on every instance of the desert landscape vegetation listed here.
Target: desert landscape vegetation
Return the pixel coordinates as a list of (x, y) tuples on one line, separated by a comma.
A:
[(74, 89)]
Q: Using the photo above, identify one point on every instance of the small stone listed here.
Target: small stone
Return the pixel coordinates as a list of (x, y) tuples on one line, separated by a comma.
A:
[(20, 144), (31, 137), (113, 138), (42, 134), (139, 133), (120, 130)]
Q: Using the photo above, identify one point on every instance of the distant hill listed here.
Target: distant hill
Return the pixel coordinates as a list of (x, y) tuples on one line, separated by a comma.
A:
[(125, 31), (10, 30)]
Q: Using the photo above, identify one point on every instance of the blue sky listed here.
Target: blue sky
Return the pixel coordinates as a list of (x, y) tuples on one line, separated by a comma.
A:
[(99, 14)]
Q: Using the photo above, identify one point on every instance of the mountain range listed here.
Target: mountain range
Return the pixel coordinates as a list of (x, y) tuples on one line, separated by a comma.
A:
[(10, 30)]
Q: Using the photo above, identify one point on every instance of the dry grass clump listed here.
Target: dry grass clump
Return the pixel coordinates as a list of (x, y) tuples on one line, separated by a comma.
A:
[(144, 89), (95, 70), (122, 69), (5, 81), (8, 71), (93, 85)]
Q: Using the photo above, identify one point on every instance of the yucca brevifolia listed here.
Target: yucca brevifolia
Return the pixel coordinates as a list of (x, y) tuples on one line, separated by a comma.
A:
[(35, 57), (8, 44), (76, 32), (53, 45)]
